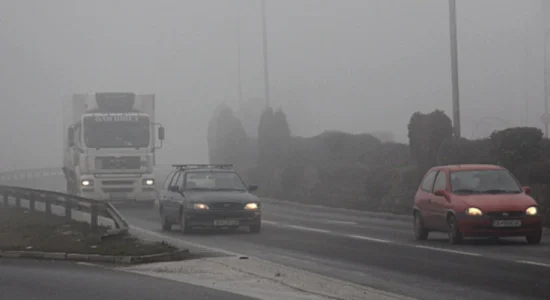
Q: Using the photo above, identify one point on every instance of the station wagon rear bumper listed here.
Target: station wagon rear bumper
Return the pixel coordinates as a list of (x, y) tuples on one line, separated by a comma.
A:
[(207, 218)]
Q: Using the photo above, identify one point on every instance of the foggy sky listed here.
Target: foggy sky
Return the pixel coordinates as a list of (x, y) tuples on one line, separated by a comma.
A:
[(351, 65)]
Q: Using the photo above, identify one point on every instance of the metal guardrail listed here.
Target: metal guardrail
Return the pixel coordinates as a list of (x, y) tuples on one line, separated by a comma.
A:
[(69, 203), (47, 172), (29, 174), (12, 182)]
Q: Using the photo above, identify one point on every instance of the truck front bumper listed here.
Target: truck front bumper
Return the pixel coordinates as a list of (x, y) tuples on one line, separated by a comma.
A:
[(119, 188)]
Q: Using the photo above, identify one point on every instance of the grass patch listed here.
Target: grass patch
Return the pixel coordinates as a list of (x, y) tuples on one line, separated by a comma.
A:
[(38, 231)]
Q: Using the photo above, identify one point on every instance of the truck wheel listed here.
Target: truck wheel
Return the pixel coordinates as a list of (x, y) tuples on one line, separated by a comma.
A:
[(69, 188)]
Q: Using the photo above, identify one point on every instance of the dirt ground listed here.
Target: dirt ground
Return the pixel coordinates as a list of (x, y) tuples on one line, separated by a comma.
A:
[(38, 231)]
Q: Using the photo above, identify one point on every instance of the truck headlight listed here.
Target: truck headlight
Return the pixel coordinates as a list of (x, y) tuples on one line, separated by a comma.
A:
[(473, 211), (148, 182), (531, 211), (87, 182), (251, 206)]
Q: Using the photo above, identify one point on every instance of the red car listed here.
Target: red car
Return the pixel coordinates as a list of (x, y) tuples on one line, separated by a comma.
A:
[(475, 201)]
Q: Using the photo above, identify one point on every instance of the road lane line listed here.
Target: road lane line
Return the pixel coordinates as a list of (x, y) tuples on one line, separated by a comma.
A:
[(308, 229), (366, 238), (340, 222), (534, 263), (447, 250), (180, 241), (270, 222)]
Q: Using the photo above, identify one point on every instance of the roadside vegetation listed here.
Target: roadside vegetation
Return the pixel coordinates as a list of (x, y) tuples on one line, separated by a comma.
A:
[(21, 230), (360, 171)]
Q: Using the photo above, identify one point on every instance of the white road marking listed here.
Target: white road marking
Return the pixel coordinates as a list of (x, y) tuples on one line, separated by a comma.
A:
[(85, 264), (308, 229), (177, 241), (366, 238), (447, 250), (270, 222), (533, 263), (341, 222)]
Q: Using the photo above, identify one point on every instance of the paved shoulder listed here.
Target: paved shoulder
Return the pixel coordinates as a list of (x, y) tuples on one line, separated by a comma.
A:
[(29, 280)]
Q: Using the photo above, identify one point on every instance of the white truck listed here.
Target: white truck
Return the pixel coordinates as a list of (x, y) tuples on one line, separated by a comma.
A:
[(110, 141)]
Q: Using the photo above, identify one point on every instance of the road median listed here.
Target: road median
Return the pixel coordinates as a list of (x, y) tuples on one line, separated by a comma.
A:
[(37, 235)]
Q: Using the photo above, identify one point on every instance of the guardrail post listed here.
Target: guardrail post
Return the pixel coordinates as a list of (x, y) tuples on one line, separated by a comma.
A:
[(47, 203), (6, 198), (68, 212), (31, 202), (93, 215), (17, 199)]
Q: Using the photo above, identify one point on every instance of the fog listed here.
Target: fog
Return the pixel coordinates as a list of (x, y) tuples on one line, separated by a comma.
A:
[(350, 65)]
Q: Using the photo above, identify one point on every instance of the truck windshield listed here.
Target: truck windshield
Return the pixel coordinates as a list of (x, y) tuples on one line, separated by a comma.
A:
[(116, 131)]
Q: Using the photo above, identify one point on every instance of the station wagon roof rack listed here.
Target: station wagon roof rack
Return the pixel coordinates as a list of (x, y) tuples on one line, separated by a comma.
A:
[(203, 166)]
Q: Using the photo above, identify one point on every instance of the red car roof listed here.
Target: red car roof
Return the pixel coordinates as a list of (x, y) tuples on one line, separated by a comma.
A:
[(469, 167)]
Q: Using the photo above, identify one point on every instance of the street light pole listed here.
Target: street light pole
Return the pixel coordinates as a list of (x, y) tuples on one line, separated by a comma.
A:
[(239, 71), (454, 68), (266, 65)]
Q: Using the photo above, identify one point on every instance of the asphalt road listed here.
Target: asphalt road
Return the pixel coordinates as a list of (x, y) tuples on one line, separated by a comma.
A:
[(382, 254), (356, 247), (30, 280)]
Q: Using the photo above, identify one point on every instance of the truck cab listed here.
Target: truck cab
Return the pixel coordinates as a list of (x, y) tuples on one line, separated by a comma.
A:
[(110, 146)]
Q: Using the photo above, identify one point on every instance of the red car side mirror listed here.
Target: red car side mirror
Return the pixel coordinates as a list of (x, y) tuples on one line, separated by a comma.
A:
[(527, 190), (442, 193)]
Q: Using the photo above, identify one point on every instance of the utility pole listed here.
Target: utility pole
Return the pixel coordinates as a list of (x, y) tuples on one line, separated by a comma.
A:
[(545, 118), (454, 68), (266, 65), (239, 71)]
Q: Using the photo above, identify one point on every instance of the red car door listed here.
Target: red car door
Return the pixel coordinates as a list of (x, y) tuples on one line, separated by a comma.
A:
[(424, 197)]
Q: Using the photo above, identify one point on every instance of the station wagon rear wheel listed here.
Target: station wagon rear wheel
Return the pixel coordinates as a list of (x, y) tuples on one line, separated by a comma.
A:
[(420, 232), (184, 228), (166, 226)]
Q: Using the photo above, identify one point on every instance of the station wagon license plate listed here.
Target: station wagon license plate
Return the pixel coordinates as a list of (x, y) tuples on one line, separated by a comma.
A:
[(226, 222), (507, 223)]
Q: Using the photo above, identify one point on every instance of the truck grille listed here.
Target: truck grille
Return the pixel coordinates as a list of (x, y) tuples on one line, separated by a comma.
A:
[(118, 190), (117, 163), (117, 182)]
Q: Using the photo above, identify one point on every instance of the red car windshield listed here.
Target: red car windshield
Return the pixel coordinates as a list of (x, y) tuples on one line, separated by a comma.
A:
[(483, 182)]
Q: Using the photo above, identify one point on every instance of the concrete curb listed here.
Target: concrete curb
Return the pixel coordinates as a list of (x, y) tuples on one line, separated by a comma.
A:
[(78, 257)]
